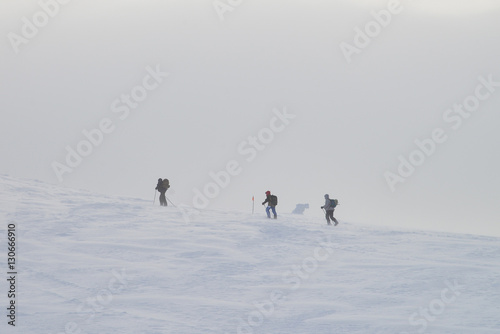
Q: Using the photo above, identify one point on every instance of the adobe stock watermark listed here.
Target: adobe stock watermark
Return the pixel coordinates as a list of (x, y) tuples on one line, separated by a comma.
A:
[(122, 107), (453, 117), (96, 304), (30, 28), (371, 30), (436, 307), (225, 6), (248, 149), (294, 277)]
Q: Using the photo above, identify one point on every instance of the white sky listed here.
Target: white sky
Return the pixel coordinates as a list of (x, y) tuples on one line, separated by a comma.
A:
[(440, 7), (353, 120)]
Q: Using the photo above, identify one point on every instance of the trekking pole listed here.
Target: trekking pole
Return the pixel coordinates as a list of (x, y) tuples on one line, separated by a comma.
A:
[(253, 204), (154, 198), (170, 202)]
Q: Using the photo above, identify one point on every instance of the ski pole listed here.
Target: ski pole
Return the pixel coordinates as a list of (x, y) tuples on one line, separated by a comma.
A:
[(154, 198), (170, 202)]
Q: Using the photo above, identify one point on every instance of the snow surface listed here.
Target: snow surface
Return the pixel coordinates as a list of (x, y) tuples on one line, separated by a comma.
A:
[(89, 263)]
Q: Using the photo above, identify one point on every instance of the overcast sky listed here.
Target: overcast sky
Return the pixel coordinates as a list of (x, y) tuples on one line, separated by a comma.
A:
[(301, 98)]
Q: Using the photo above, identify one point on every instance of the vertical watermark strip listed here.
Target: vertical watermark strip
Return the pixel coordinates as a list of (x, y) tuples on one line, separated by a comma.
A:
[(11, 274)]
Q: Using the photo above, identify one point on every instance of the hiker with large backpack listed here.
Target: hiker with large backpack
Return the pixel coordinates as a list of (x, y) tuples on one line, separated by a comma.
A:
[(162, 187), (329, 208), (271, 201)]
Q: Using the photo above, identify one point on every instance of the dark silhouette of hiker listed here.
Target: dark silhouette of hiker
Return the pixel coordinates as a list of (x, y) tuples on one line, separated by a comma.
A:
[(162, 187), (329, 209), (271, 201)]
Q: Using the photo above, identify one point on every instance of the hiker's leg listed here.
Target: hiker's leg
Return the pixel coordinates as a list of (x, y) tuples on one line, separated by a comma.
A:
[(333, 218)]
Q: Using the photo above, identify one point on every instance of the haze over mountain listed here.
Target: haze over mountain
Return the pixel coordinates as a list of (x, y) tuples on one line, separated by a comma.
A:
[(365, 81)]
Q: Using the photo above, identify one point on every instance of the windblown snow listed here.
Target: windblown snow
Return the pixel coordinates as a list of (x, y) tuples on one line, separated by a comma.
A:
[(88, 263)]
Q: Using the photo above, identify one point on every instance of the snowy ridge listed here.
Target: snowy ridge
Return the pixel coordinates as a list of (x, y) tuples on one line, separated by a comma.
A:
[(90, 263)]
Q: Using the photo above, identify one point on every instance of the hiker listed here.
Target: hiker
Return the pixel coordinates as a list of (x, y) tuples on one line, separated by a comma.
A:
[(271, 201), (162, 187), (329, 207)]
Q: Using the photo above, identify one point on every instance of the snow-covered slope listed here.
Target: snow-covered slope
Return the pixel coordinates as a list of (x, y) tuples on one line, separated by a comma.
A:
[(88, 263)]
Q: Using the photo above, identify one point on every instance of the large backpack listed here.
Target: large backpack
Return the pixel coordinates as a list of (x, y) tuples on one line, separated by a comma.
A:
[(273, 200), (334, 203), (165, 184)]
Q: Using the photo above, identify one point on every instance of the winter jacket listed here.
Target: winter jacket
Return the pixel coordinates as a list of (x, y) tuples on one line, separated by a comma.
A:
[(269, 200), (328, 204)]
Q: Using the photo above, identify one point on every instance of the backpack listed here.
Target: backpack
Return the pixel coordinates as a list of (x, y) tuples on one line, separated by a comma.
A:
[(165, 184), (273, 200), (334, 203)]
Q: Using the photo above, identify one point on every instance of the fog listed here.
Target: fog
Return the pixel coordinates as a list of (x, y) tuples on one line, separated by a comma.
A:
[(389, 106)]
